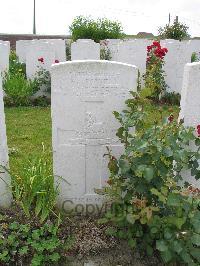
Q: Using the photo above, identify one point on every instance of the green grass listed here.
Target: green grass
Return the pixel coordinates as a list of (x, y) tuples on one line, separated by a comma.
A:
[(27, 129)]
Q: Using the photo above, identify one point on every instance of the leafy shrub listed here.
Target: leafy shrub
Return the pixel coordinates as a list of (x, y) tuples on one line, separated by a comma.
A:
[(14, 65), (100, 29), (24, 243), (151, 210), (154, 77), (171, 98), (43, 78), (18, 89), (34, 188), (42, 101), (176, 31)]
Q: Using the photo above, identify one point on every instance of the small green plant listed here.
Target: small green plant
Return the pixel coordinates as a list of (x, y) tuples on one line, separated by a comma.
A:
[(105, 53), (14, 65), (68, 51), (24, 243), (100, 29), (176, 31), (34, 188), (151, 209), (43, 78), (18, 89), (194, 57)]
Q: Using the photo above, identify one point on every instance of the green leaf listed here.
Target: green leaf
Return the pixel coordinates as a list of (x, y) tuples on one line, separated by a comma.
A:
[(111, 231), (178, 222), (161, 245), (167, 152), (166, 256), (149, 250), (177, 246), (130, 218), (54, 257), (173, 200), (196, 240), (132, 243), (149, 173)]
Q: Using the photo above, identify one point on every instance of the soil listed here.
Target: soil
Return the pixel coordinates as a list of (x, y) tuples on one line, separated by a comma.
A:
[(91, 245)]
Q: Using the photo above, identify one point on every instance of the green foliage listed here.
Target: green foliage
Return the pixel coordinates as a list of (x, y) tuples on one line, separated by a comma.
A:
[(150, 208), (100, 29), (24, 243), (176, 31), (194, 57), (43, 78), (14, 65), (34, 188), (17, 87), (171, 98), (68, 51)]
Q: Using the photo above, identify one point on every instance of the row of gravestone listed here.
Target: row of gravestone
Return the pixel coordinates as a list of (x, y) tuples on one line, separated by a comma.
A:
[(84, 94), (125, 51)]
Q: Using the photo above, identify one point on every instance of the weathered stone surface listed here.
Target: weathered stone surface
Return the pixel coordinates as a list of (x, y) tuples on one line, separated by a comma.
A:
[(85, 49), (178, 55), (190, 102), (4, 56), (21, 47), (5, 190), (133, 52), (84, 95)]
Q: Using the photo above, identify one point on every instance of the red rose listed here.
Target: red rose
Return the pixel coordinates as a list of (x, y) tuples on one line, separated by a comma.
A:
[(57, 61), (41, 59), (170, 118), (198, 130)]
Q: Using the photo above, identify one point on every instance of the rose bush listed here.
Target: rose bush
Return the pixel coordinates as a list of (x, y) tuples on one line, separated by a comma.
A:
[(155, 76), (153, 208)]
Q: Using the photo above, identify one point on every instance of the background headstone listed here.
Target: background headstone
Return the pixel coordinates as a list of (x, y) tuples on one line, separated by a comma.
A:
[(37, 51), (178, 55), (4, 56), (190, 102), (85, 49), (133, 52), (60, 49), (84, 95), (5, 189)]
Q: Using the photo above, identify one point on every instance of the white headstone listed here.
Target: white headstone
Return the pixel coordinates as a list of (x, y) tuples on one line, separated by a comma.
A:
[(190, 100), (84, 95), (60, 49), (21, 47), (35, 52), (4, 56), (134, 52), (5, 189), (113, 46), (178, 55), (85, 49)]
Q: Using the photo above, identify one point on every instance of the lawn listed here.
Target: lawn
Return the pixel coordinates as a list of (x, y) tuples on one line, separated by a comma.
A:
[(29, 127)]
